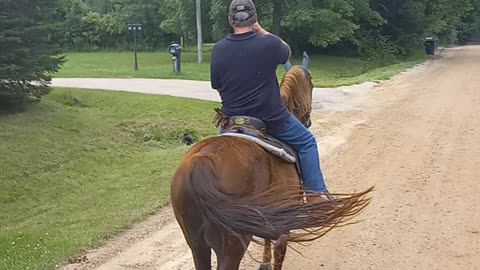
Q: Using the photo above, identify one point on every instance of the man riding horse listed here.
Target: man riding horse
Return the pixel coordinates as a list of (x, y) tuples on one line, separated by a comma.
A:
[(243, 70), (244, 185)]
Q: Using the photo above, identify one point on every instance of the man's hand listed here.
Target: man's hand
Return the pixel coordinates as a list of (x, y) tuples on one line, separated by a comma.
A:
[(259, 30)]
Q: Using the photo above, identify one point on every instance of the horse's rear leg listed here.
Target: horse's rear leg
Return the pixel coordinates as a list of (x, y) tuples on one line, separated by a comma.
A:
[(229, 249), (229, 262), (202, 255), (267, 256), (201, 251), (279, 252)]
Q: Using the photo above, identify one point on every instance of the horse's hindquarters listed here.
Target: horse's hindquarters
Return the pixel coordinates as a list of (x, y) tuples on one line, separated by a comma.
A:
[(196, 201)]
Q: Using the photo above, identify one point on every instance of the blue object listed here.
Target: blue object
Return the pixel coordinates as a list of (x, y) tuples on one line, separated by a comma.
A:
[(243, 70), (302, 140), (176, 51)]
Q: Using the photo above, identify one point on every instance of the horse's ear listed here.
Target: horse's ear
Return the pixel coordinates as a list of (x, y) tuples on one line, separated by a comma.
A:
[(287, 65), (306, 61)]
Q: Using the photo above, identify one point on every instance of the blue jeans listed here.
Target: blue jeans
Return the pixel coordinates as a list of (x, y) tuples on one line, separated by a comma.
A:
[(302, 140)]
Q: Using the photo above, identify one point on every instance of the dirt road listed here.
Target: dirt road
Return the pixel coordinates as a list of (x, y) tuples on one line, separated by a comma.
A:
[(416, 138)]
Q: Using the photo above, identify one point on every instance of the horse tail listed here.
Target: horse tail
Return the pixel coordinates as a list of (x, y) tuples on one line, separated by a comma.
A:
[(269, 215)]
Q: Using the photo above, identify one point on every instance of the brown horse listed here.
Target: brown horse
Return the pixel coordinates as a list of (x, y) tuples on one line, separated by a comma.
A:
[(228, 190)]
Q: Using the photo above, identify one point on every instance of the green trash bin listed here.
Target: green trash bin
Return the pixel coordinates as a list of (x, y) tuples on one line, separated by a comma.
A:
[(430, 46)]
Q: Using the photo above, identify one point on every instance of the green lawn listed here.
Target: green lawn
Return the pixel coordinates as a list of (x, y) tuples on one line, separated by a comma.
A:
[(327, 71), (120, 65), (83, 165)]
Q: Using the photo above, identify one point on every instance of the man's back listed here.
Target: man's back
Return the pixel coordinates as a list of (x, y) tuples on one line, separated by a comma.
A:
[(243, 70)]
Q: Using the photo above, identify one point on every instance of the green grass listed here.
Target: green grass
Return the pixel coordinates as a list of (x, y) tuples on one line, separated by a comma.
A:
[(83, 165), (334, 71), (327, 71), (120, 65)]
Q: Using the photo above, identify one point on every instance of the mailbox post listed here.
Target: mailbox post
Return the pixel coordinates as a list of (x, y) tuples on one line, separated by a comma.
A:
[(176, 51), (135, 28)]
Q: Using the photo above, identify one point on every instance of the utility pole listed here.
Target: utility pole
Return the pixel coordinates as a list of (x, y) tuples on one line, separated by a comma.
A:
[(199, 32)]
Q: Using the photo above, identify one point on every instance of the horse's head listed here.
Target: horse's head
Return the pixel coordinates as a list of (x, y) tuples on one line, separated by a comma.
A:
[(296, 90)]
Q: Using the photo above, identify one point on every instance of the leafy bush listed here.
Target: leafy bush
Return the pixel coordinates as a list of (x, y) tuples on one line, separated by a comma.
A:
[(377, 48)]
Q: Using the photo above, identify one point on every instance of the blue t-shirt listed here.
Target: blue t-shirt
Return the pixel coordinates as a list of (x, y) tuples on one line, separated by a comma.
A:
[(243, 70)]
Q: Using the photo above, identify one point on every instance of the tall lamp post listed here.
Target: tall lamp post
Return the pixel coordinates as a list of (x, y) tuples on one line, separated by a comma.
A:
[(199, 31), (135, 28)]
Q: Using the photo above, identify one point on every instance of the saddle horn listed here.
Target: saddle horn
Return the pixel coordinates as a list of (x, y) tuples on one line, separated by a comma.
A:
[(306, 61)]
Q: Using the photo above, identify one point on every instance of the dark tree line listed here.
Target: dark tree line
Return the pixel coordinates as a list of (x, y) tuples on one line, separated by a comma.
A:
[(373, 28)]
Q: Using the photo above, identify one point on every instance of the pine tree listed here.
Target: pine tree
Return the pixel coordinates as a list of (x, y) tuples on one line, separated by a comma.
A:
[(28, 50)]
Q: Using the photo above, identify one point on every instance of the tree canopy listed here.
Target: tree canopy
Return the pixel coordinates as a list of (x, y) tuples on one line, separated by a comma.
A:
[(374, 28)]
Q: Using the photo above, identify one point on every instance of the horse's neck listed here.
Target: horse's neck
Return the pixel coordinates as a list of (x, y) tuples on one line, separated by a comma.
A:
[(291, 91), (289, 100)]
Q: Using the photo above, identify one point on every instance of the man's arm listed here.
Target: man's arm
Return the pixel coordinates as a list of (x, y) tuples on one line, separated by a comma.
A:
[(214, 75), (282, 50)]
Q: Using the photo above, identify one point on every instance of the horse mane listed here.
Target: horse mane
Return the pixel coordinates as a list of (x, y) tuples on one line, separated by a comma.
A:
[(296, 91)]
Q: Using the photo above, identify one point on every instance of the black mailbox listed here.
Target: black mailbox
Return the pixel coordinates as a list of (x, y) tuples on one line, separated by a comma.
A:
[(176, 51)]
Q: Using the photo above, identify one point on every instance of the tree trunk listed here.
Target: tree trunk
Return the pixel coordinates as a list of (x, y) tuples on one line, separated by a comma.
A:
[(199, 31), (277, 17)]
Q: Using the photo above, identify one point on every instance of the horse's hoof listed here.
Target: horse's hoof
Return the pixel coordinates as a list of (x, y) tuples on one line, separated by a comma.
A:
[(265, 266)]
